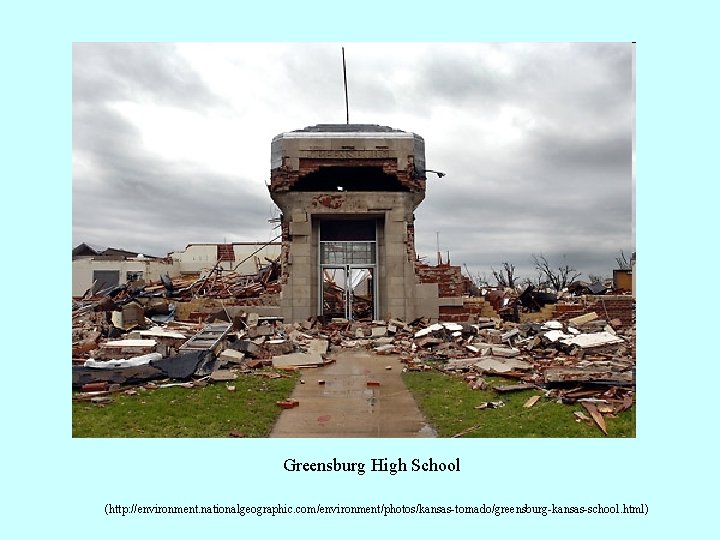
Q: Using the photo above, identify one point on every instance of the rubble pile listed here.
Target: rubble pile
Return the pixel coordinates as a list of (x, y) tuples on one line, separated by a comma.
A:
[(155, 298), (234, 285), (583, 359), (586, 360)]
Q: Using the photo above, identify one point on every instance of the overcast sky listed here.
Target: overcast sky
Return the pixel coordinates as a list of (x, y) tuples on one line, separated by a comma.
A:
[(171, 142)]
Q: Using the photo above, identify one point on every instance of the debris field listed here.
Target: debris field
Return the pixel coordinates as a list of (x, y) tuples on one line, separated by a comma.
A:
[(126, 338)]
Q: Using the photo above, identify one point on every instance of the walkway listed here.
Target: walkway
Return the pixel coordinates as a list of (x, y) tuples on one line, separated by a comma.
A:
[(345, 406)]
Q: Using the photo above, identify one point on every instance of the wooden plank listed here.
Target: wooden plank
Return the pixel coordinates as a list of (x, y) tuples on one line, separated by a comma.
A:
[(530, 402), (513, 387), (595, 415)]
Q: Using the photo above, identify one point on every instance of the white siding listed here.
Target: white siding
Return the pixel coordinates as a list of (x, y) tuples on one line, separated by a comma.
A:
[(83, 268), (199, 257)]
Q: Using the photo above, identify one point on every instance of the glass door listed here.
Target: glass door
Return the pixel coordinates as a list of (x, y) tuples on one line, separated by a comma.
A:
[(348, 292), (361, 293), (334, 292)]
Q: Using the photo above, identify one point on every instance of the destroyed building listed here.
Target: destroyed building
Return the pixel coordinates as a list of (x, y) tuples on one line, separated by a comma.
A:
[(96, 269), (344, 276), (348, 194)]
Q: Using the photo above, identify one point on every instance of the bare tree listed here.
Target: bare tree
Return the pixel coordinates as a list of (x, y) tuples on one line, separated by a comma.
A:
[(559, 279), (539, 283), (478, 279), (622, 262), (594, 278), (502, 279), (481, 280)]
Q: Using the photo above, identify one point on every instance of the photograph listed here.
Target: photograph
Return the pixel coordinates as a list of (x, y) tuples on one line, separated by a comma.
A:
[(354, 240)]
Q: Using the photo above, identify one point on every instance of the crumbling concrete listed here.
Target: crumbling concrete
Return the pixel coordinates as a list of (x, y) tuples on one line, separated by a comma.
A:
[(326, 173)]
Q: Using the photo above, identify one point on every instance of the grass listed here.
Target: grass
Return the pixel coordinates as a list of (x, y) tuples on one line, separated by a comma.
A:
[(210, 411), (448, 404), (446, 401)]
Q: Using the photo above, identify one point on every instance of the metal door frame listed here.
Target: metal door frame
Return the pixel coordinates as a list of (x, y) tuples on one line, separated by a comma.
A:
[(347, 268)]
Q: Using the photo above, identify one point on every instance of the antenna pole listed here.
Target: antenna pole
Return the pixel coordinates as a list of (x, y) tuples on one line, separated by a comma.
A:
[(347, 107)]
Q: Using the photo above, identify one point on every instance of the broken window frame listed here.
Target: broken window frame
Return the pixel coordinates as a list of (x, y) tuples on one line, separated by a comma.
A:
[(134, 275), (348, 253)]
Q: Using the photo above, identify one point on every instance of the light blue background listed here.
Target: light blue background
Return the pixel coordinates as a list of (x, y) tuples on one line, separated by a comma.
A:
[(53, 484)]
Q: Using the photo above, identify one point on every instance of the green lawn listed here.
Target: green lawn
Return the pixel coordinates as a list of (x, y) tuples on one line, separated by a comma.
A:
[(210, 411), (448, 404), (445, 400)]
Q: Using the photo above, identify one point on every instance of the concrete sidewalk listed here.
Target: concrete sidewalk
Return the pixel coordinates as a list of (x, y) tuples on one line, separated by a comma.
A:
[(345, 406)]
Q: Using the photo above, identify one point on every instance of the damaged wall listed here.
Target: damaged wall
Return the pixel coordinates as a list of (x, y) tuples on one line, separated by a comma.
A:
[(84, 268), (195, 259), (302, 214), (608, 306), (449, 278), (296, 154), (449, 302), (198, 257)]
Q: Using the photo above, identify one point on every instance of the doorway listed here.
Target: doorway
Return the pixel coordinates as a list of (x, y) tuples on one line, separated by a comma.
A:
[(348, 269)]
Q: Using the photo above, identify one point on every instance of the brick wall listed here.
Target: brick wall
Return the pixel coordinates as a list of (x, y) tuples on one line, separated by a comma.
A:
[(471, 310), (449, 279), (607, 307), (284, 179)]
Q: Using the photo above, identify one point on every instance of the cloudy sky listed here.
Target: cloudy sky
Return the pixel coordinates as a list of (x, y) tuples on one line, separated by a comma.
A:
[(171, 142)]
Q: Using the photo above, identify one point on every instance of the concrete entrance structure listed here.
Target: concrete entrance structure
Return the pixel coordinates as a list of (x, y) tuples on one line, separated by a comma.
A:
[(348, 195)]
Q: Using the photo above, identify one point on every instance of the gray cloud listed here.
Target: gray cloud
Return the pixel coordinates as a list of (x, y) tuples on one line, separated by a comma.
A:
[(535, 140), (105, 72)]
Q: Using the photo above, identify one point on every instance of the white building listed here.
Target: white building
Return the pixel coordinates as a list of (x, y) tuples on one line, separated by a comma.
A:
[(100, 269), (240, 257)]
